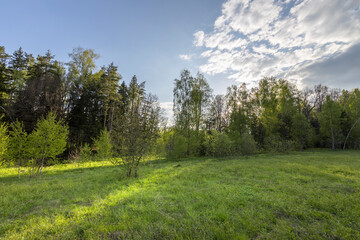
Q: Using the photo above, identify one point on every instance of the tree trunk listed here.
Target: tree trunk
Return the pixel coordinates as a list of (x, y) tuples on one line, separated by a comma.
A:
[(348, 135), (112, 118), (42, 164), (105, 117), (129, 173), (332, 139)]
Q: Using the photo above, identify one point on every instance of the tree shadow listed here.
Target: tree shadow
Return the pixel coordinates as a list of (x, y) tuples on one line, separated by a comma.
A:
[(61, 200)]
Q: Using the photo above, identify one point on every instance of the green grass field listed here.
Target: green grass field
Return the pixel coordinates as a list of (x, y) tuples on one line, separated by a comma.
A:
[(304, 195)]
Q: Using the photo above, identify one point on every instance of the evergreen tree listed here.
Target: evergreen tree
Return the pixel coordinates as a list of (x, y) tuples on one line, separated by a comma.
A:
[(103, 145)]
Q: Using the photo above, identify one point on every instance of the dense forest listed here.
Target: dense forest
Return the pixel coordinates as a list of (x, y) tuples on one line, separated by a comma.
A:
[(90, 109)]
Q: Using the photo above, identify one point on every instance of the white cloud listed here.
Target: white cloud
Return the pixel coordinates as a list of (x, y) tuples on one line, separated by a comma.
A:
[(167, 111), (257, 38), (185, 57), (199, 38)]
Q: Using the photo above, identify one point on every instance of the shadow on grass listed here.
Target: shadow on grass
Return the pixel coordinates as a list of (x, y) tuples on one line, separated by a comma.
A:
[(62, 199)]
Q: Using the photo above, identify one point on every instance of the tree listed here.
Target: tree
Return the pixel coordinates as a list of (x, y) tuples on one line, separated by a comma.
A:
[(18, 146), (267, 102), (85, 99), (137, 128), (4, 78), (4, 140), (85, 153), (192, 98), (217, 115), (43, 92), (110, 85), (301, 130), (48, 140), (330, 120), (200, 96), (103, 145), (182, 105), (353, 110), (19, 65)]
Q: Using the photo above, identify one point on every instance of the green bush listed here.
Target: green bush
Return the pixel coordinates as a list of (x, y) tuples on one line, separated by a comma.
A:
[(274, 143), (246, 144), (85, 153), (218, 144), (103, 145), (4, 140), (222, 145), (177, 147)]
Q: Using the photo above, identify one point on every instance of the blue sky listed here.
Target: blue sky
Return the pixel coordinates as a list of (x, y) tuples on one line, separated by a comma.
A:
[(231, 41), (141, 37)]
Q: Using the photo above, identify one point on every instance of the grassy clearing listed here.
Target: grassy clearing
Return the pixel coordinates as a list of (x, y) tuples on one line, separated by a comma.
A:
[(304, 195)]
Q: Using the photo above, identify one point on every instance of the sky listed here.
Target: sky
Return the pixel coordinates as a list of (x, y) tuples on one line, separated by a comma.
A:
[(234, 41)]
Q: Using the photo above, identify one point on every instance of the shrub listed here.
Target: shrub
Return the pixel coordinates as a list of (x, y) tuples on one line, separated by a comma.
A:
[(246, 144), (48, 140), (274, 143), (222, 145), (103, 145), (4, 139), (85, 153), (179, 148)]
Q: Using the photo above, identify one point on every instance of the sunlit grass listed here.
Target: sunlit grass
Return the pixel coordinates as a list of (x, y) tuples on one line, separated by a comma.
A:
[(298, 195)]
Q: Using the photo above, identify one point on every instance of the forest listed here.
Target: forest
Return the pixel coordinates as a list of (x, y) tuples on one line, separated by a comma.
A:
[(53, 111)]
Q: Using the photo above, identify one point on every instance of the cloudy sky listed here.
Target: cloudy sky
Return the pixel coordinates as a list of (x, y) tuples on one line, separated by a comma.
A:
[(305, 41), (234, 41)]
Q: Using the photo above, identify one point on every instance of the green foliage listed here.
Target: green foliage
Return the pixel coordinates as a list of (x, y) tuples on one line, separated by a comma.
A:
[(302, 131), (103, 145), (4, 140), (180, 147), (191, 101), (18, 146), (246, 145), (90, 98), (330, 119), (351, 103), (136, 128), (85, 153), (222, 145), (275, 143), (48, 140)]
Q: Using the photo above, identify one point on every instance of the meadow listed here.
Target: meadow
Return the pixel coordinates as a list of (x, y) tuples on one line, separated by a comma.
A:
[(299, 195)]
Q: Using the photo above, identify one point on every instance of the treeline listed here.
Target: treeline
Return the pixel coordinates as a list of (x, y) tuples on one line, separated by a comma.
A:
[(95, 108), (84, 97), (274, 116)]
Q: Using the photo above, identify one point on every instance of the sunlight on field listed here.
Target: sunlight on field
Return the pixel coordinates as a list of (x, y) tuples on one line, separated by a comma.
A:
[(297, 195)]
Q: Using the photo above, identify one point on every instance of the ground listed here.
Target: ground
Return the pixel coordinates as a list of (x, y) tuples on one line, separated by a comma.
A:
[(305, 195)]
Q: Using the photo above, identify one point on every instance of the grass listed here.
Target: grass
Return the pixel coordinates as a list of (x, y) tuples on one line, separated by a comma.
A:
[(301, 195)]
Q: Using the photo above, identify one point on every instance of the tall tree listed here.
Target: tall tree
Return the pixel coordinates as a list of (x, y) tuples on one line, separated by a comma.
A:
[(217, 116), (43, 92), (4, 79), (330, 120), (110, 87), (301, 130), (85, 98), (352, 107), (200, 96), (137, 128), (182, 105)]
